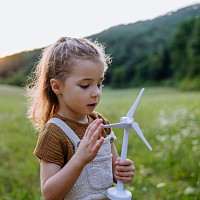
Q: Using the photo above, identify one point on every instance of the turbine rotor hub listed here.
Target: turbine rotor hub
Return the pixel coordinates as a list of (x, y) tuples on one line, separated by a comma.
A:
[(127, 120)]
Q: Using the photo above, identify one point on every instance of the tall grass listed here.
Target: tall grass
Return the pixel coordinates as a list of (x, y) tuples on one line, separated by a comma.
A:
[(19, 178), (169, 119)]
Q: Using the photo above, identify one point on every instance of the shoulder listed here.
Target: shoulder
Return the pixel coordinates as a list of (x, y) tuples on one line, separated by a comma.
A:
[(51, 145), (51, 137), (52, 131)]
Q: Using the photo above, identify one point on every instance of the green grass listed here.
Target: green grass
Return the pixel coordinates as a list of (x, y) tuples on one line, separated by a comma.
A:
[(169, 119), (18, 167)]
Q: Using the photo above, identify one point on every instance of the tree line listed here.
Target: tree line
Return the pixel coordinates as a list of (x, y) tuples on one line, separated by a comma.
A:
[(157, 58), (185, 55)]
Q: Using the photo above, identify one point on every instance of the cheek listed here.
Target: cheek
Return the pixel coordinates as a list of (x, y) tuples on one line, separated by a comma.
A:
[(77, 95), (101, 90)]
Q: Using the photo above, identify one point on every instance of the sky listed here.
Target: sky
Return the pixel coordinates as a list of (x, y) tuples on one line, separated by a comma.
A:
[(30, 24)]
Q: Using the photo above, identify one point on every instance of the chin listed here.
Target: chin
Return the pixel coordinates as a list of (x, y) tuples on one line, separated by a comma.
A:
[(90, 112)]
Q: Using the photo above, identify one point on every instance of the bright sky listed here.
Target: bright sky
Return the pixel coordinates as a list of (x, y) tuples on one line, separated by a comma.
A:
[(29, 24)]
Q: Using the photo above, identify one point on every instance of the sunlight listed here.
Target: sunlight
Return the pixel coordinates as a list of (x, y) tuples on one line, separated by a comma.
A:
[(23, 29)]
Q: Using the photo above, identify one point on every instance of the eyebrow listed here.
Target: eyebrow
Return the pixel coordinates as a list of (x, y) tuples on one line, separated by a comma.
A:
[(89, 79)]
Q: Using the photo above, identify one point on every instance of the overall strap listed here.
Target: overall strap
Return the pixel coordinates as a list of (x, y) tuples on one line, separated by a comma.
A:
[(66, 129), (112, 135)]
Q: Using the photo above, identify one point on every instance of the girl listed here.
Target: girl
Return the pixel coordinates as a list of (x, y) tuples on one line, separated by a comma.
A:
[(78, 159)]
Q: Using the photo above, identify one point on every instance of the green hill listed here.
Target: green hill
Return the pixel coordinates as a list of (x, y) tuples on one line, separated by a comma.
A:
[(141, 52)]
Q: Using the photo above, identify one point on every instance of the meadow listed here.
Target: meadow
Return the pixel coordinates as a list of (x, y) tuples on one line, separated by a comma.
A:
[(169, 119)]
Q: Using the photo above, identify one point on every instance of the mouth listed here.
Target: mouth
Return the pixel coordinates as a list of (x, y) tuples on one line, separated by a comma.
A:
[(92, 105)]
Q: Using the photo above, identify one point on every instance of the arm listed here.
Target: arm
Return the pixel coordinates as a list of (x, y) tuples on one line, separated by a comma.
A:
[(57, 182)]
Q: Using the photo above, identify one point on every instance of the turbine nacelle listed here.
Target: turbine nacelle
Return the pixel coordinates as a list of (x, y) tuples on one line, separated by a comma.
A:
[(127, 122)]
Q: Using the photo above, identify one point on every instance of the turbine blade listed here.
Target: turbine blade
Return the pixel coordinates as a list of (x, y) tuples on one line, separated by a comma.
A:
[(140, 134), (131, 112), (115, 125)]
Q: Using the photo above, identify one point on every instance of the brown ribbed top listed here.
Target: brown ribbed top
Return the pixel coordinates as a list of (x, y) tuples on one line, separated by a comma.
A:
[(54, 146)]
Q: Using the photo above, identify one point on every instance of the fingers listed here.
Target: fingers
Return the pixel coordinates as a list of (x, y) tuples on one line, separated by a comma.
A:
[(126, 162), (94, 131), (98, 144), (95, 136), (124, 170), (125, 179), (90, 145), (93, 127)]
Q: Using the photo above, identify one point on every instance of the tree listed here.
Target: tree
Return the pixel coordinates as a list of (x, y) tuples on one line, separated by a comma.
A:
[(194, 50), (178, 46)]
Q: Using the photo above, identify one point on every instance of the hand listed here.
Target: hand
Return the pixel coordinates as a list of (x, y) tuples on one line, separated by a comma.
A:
[(90, 145), (124, 170)]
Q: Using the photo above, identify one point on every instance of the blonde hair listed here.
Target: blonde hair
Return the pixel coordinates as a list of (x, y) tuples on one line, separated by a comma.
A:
[(57, 61)]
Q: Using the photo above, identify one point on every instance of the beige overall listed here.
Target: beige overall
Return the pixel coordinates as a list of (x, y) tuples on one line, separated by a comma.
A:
[(96, 177)]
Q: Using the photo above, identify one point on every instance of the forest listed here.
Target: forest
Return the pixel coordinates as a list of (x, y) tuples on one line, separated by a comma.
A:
[(164, 51)]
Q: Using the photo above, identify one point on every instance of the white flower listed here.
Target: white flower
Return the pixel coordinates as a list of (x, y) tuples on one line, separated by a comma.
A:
[(159, 185), (189, 190)]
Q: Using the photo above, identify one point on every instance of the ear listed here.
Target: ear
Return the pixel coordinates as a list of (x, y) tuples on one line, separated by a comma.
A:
[(55, 86)]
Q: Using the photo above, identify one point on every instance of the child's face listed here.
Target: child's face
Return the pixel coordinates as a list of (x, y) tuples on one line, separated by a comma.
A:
[(81, 91)]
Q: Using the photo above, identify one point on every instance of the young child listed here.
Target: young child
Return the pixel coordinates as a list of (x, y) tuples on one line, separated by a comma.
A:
[(78, 159)]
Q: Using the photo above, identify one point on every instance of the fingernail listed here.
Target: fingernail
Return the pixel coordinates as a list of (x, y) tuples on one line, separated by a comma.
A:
[(100, 120)]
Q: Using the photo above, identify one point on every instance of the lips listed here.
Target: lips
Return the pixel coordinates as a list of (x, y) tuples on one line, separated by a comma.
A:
[(92, 105)]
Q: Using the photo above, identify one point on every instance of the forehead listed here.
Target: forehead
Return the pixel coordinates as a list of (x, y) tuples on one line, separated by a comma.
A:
[(88, 69)]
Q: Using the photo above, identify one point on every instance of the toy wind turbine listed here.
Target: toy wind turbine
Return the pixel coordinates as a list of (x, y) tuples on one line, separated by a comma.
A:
[(127, 122)]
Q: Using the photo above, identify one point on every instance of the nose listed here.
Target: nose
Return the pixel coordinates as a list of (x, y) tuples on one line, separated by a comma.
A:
[(96, 92)]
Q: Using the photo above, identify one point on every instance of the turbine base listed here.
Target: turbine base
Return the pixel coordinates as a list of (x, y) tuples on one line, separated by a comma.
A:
[(114, 194)]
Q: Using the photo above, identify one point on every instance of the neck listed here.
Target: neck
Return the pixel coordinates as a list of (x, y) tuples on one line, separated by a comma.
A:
[(80, 119)]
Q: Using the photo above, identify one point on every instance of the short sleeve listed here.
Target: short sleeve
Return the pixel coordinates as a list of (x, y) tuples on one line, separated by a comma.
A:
[(51, 146)]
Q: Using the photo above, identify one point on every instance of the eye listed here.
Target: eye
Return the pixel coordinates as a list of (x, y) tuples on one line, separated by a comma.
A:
[(84, 86)]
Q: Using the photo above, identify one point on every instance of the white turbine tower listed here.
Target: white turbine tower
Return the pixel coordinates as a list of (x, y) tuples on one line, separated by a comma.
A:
[(127, 123)]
